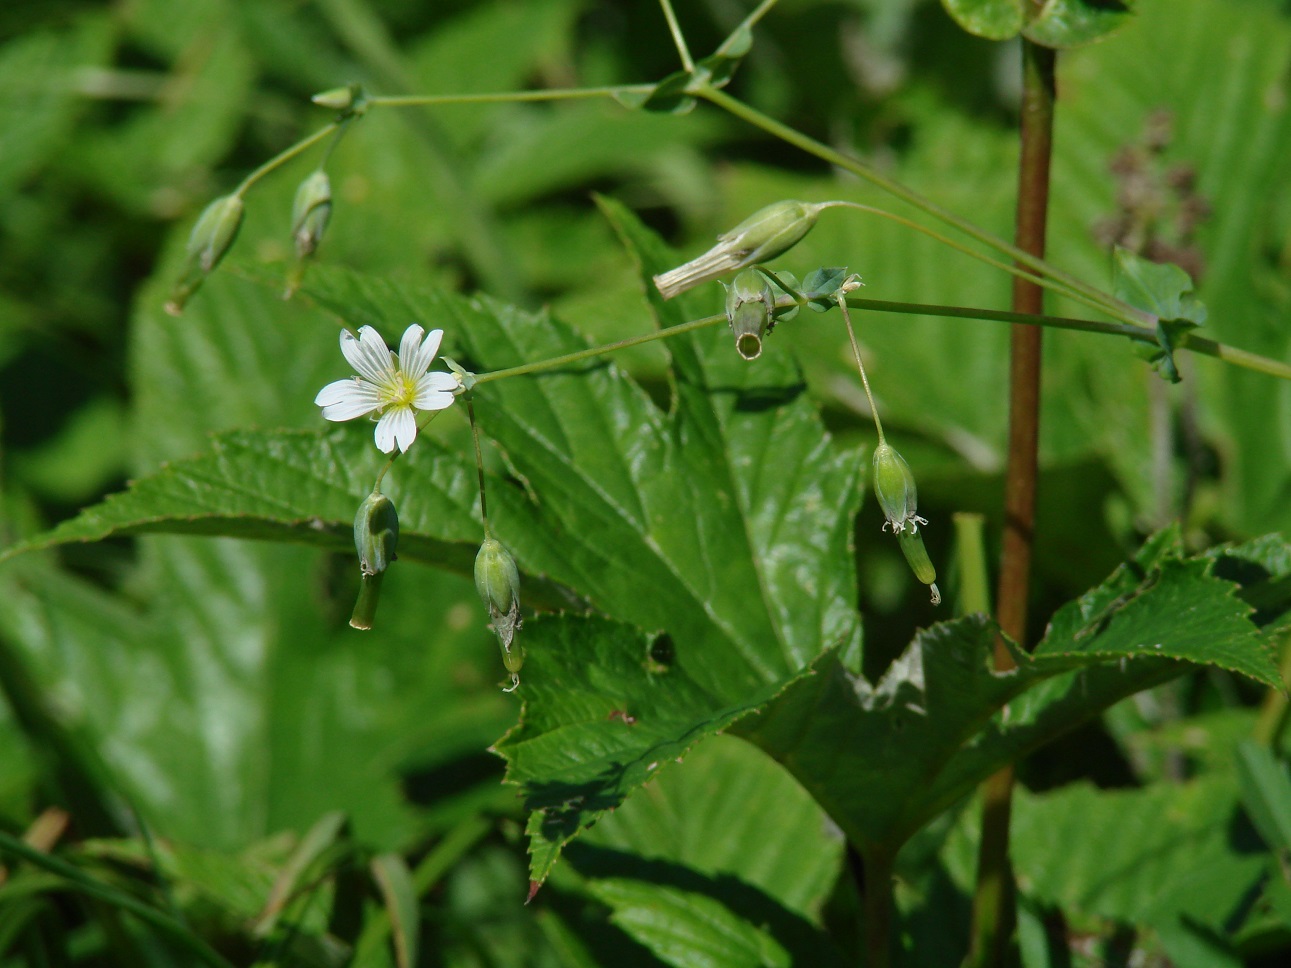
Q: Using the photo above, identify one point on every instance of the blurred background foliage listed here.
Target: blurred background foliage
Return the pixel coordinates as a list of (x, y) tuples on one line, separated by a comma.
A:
[(204, 690)]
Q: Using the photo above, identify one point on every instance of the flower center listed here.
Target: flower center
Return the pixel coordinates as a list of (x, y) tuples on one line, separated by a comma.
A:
[(401, 391)]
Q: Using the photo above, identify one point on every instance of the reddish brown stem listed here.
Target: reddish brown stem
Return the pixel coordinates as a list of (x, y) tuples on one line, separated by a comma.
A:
[(993, 906)]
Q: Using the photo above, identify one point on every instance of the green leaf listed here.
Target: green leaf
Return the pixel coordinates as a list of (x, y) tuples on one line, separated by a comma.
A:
[(675, 94), (685, 928), (821, 286), (992, 19), (884, 759), (1073, 23), (400, 899), (1136, 856), (1165, 291), (1266, 793), (709, 813), (605, 709)]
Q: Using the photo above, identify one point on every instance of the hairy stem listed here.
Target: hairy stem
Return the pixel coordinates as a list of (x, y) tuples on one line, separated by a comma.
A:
[(993, 901)]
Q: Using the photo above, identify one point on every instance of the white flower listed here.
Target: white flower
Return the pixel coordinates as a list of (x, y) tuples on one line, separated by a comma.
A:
[(394, 387)]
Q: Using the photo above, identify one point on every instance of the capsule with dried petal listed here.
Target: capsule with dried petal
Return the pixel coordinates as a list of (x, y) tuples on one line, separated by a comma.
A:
[(763, 235)]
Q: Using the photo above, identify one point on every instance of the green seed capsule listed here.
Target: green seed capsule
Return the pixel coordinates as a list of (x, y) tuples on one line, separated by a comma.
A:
[(917, 557), (895, 488), (749, 302), (310, 213), (513, 658), (764, 235), (376, 533), (210, 239), (498, 582), (771, 231)]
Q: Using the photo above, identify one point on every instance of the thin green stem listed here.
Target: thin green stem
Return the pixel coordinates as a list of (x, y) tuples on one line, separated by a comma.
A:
[(677, 38), (1128, 314), (1230, 354), (559, 361), (479, 466), (859, 168), (856, 352), (749, 22), (357, 26), (280, 159), (1137, 333), (508, 97), (1140, 334)]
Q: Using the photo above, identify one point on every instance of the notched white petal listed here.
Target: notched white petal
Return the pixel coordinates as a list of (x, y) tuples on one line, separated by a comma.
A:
[(369, 355), (403, 426), (409, 347)]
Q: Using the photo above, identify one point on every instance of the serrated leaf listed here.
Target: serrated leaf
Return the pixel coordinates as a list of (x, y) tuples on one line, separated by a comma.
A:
[(606, 707), (884, 759), (1073, 23), (992, 19)]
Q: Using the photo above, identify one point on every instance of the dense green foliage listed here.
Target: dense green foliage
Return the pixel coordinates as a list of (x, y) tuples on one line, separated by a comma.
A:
[(738, 710)]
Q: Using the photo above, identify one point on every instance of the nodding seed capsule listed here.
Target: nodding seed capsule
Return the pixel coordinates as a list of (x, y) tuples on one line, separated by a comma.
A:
[(211, 238), (498, 582), (895, 488), (310, 213), (749, 301)]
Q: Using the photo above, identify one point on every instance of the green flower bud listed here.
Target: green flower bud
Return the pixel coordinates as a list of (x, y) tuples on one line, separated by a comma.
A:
[(310, 213), (348, 100), (498, 582), (763, 235), (376, 534), (894, 486), (749, 301), (211, 237)]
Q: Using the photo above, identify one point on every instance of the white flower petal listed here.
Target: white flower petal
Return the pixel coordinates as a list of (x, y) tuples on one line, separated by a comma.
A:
[(420, 363), (409, 346), (385, 432), (336, 391), (368, 354), (434, 391), (397, 425), (347, 399)]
